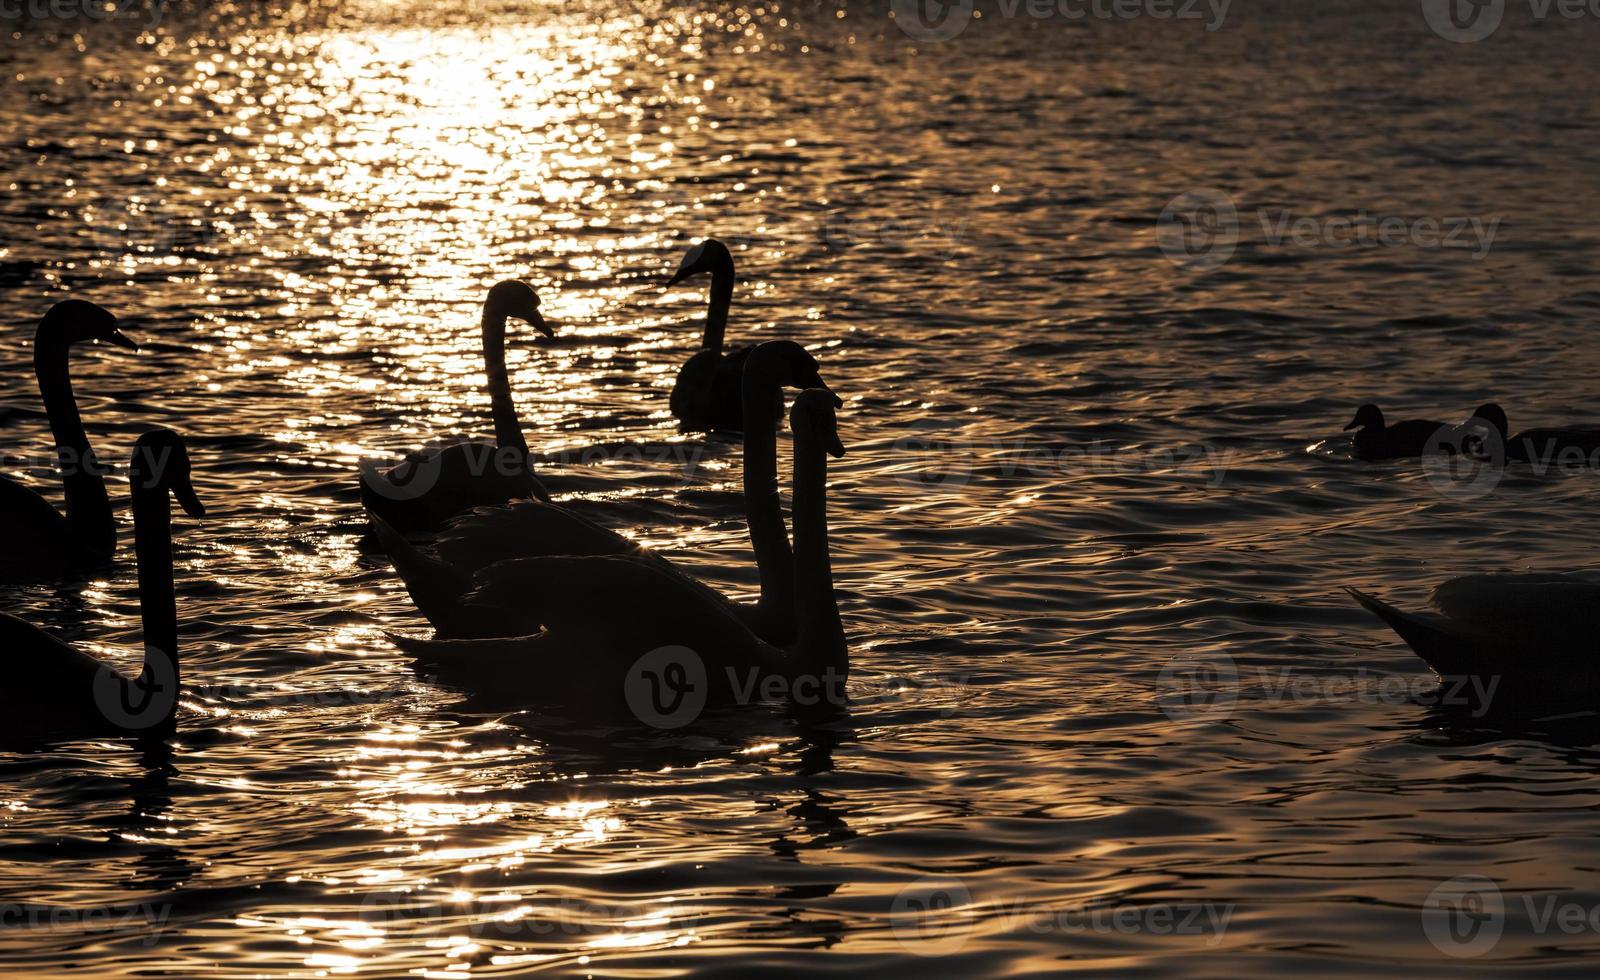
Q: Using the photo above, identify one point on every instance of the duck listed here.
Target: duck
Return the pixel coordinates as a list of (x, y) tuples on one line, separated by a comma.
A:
[(1545, 446), (608, 618), (439, 577), (53, 687), (707, 396), (434, 484), (1513, 635), (37, 542), (1376, 440)]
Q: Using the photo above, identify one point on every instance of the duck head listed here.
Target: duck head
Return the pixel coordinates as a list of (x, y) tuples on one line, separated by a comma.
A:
[(161, 461), (708, 256), (77, 320), (785, 364), (813, 417), (1495, 416), (1367, 416), (513, 297)]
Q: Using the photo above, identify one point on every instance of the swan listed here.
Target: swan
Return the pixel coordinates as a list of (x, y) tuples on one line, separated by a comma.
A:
[(1375, 440), (1530, 633), (53, 687), (601, 613), (706, 395), (36, 541), (435, 484), (1539, 445), (438, 582)]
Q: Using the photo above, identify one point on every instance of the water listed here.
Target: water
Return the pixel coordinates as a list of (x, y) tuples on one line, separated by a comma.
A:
[(1080, 476)]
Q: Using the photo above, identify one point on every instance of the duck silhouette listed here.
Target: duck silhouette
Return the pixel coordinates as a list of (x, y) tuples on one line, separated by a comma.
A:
[(1376, 440)]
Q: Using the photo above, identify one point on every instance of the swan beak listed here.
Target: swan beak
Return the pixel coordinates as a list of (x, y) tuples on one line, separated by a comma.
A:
[(679, 276), (1352, 425), (188, 501), (122, 340), (835, 447), (539, 324)]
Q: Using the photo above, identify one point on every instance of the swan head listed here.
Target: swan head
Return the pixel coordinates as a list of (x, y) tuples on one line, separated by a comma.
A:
[(708, 256), (513, 297), (161, 461), (785, 364), (77, 320), (813, 417), (1367, 416), (1495, 416)]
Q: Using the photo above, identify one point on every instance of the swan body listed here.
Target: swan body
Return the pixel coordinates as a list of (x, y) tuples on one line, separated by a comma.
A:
[(707, 394), (52, 687), (439, 578), (431, 486), (36, 540), (587, 650), (1525, 634), (1376, 440), (1545, 446)]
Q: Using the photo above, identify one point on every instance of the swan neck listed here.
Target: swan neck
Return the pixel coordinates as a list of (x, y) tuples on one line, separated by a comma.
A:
[(821, 635), (717, 312), (507, 426), (769, 538), (158, 606), (83, 479)]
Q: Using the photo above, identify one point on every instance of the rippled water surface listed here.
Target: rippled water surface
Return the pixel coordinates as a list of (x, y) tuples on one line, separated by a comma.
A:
[(1079, 473)]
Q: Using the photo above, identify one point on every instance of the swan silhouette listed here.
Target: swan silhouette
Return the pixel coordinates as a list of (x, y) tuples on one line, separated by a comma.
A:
[(53, 687), (1375, 440), (474, 543), (707, 395), (433, 485), (606, 614), (1525, 634), (1538, 445), (36, 541)]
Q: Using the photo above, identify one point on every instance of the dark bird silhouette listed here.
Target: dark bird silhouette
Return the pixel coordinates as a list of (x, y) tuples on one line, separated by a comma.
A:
[(36, 541), (435, 484), (707, 394), (1375, 440), (1547, 446), (440, 578), (587, 654), (1516, 636), (51, 687)]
